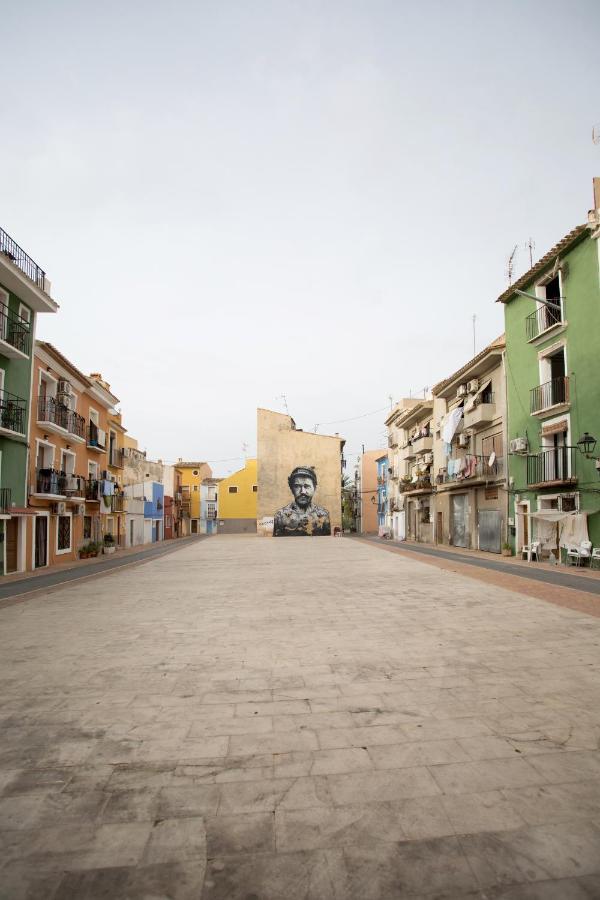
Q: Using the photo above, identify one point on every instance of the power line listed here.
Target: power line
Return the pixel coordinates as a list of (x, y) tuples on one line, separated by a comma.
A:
[(352, 418)]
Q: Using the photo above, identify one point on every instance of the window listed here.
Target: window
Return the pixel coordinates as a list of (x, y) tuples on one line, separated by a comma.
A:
[(63, 534), (87, 528), (232, 489), (67, 462), (93, 470), (196, 487), (255, 488), (493, 443), (195, 472), (25, 312)]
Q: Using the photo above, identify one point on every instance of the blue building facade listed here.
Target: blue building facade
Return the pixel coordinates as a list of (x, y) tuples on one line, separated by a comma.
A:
[(154, 512), (382, 491)]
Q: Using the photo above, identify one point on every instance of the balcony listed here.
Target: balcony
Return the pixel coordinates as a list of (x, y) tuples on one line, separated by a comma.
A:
[(482, 414), (51, 483), (13, 415), (552, 467), (474, 469), (75, 487), (543, 319), (21, 260), (552, 393), (118, 503), (115, 457), (421, 485), (422, 444), (92, 490), (96, 438), (58, 418), (5, 501), (14, 334)]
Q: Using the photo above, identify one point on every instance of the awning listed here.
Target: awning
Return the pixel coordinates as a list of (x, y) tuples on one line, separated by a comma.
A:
[(552, 515), (484, 386), (556, 428)]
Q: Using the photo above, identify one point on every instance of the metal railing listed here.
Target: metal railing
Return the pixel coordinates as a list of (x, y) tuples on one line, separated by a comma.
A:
[(555, 465), (115, 457), (118, 503), (22, 260), (51, 410), (14, 330), (550, 394), (422, 483), (92, 489), (473, 468), (542, 319), (75, 486), (13, 412), (5, 500), (51, 481), (93, 437)]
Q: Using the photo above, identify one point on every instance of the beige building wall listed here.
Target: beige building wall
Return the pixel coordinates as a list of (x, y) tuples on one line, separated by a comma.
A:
[(281, 447)]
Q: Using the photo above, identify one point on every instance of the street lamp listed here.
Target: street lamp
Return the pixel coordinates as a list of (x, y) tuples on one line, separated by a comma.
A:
[(587, 444)]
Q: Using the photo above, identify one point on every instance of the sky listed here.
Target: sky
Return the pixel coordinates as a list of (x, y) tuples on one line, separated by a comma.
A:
[(288, 204)]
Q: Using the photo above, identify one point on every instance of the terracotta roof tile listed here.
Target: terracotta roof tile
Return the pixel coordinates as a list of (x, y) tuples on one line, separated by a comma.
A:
[(573, 237)]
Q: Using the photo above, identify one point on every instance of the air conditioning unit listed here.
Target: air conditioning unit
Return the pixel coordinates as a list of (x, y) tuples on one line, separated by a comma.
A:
[(463, 439), (59, 509), (64, 387), (427, 458), (473, 386), (462, 390), (518, 445)]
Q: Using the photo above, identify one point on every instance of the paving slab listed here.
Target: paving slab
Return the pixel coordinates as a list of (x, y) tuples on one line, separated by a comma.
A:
[(245, 717)]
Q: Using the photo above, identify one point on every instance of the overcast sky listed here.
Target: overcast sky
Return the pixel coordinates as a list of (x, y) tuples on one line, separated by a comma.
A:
[(240, 200)]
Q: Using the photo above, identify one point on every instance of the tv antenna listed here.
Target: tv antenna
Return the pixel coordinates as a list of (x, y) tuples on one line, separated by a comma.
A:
[(530, 245), (511, 264), (474, 317), (596, 133), (284, 398), (391, 399)]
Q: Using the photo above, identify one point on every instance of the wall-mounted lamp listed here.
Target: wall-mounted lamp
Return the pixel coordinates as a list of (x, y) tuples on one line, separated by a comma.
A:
[(45, 437), (587, 444)]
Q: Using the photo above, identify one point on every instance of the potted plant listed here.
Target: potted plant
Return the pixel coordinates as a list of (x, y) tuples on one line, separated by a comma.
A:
[(84, 552), (109, 543), (506, 549)]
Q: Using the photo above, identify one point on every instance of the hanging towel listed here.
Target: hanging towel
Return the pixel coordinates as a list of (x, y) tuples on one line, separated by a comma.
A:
[(108, 488), (450, 424)]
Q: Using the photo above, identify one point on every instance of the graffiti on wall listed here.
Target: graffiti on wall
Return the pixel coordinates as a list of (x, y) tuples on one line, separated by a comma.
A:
[(302, 516)]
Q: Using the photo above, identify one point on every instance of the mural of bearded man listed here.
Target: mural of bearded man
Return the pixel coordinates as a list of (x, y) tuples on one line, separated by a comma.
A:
[(301, 516)]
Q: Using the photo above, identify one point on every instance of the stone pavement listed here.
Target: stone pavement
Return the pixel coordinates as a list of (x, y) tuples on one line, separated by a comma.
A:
[(264, 719)]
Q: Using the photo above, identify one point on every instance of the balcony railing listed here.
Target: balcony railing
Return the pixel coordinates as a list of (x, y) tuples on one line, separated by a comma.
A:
[(92, 489), (75, 486), (50, 410), (542, 319), (118, 503), (5, 500), (422, 483), (51, 481), (115, 457), (13, 412), (96, 437), (14, 330), (550, 394), (554, 466), (23, 262), (472, 468)]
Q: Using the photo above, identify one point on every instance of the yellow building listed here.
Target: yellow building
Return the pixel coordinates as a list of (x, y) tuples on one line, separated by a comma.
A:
[(237, 500), (192, 474)]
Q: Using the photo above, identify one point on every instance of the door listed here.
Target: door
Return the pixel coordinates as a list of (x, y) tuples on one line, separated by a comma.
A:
[(131, 541), (12, 540), (412, 521), (458, 520), (439, 528), (490, 530), (41, 541)]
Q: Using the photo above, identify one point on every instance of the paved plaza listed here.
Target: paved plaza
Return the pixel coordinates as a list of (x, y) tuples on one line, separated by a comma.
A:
[(297, 720)]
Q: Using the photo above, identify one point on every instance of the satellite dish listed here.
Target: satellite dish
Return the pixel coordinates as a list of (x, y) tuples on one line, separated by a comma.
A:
[(492, 459)]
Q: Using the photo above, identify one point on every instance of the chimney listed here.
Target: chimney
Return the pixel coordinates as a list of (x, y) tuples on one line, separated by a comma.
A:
[(596, 182)]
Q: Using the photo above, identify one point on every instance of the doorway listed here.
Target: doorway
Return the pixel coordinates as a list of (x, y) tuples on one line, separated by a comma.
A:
[(12, 544), (41, 541), (458, 521), (439, 527)]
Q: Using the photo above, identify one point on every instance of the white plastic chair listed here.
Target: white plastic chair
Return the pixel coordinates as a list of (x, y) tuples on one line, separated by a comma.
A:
[(595, 558), (535, 550), (576, 554)]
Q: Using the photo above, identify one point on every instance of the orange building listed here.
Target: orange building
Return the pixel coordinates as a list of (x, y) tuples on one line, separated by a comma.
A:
[(68, 478)]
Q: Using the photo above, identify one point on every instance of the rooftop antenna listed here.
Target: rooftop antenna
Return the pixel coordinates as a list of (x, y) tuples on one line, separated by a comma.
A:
[(391, 399), (425, 392), (474, 317), (530, 245), (511, 265), (244, 449), (596, 133), (284, 398)]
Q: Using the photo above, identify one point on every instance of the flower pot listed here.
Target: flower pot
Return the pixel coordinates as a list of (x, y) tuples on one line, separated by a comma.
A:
[(109, 549), (507, 552)]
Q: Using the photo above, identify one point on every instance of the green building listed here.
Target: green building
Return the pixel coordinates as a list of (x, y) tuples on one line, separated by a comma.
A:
[(552, 324), (24, 292)]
